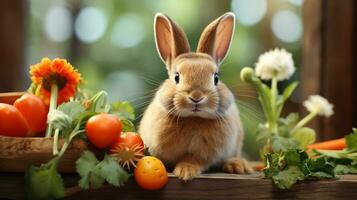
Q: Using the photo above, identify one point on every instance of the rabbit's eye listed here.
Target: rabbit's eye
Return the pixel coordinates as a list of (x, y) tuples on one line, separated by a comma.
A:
[(177, 77), (216, 78)]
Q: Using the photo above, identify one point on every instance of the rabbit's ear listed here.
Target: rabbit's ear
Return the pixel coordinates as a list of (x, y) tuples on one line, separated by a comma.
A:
[(170, 40), (217, 36)]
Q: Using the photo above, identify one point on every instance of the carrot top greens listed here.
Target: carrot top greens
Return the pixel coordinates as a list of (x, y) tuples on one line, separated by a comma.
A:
[(344, 161), (285, 168)]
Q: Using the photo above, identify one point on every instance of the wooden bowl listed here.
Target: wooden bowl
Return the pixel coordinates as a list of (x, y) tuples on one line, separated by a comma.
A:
[(18, 153), (10, 97)]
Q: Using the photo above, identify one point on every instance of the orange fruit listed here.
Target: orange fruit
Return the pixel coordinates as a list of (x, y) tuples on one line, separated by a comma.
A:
[(150, 173)]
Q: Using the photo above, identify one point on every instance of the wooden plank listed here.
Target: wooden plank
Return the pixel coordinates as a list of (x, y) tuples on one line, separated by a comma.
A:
[(12, 15), (207, 186)]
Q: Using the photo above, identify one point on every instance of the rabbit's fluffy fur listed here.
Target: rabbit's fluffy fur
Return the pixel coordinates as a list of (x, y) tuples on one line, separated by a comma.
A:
[(193, 122)]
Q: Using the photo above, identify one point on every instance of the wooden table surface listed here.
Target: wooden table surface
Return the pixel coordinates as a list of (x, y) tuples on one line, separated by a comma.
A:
[(206, 186)]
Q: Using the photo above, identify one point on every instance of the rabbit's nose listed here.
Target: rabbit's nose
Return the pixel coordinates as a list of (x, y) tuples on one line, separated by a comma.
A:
[(196, 100)]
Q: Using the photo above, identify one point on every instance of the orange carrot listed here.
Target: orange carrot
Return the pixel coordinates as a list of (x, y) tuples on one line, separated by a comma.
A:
[(337, 144)]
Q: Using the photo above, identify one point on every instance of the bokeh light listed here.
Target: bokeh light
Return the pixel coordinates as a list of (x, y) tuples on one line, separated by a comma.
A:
[(58, 24), (287, 26), (124, 85), (296, 2), (249, 12), (90, 24), (128, 31)]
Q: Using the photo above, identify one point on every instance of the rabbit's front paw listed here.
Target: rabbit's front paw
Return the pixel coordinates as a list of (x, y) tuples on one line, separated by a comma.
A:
[(187, 171), (237, 166)]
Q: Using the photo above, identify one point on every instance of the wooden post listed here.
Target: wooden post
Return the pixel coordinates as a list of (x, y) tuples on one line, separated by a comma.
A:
[(11, 44), (312, 50), (328, 62), (337, 70)]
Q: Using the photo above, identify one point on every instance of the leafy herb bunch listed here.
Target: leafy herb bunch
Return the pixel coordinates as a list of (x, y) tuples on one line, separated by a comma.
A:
[(68, 122)]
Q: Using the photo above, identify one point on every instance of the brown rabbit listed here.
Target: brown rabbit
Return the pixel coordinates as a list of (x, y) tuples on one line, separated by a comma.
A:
[(193, 122)]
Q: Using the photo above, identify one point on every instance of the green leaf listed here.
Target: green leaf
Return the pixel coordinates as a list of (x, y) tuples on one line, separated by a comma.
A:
[(284, 131), (292, 119), (288, 177), (273, 165), (293, 157), (94, 173), (331, 153), (288, 91), (127, 125), (123, 109), (345, 169), (351, 140), (83, 94), (85, 166), (304, 136), (99, 103), (73, 109), (320, 164), (285, 96), (263, 96), (59, 120), (319, 175), (111, 171), (283, 144), (286, 168), (44, 182)]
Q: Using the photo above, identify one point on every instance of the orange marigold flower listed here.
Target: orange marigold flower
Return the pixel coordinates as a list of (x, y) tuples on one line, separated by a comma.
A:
[(58, 71)]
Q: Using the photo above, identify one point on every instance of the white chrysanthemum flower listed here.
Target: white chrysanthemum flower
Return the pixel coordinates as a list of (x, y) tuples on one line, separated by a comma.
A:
[(277, 62), (320, 105)]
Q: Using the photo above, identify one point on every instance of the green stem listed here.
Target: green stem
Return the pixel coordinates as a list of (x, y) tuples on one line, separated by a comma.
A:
[(63, 149), (52, 164), (304, 121), (68, 141), (274, 118), (53, 105), (55, 142), (264, 98)]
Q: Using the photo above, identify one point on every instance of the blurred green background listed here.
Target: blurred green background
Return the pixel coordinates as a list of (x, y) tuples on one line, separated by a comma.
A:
[(111, 42)]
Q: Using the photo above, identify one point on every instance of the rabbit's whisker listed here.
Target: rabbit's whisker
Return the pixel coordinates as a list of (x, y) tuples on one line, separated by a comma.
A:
[(251, 111)]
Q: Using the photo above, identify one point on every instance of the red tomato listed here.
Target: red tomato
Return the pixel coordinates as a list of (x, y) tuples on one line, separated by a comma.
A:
[(103, 130), (130, 139), (12, 123), (34, 110), (128, 149), (150, 173)]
